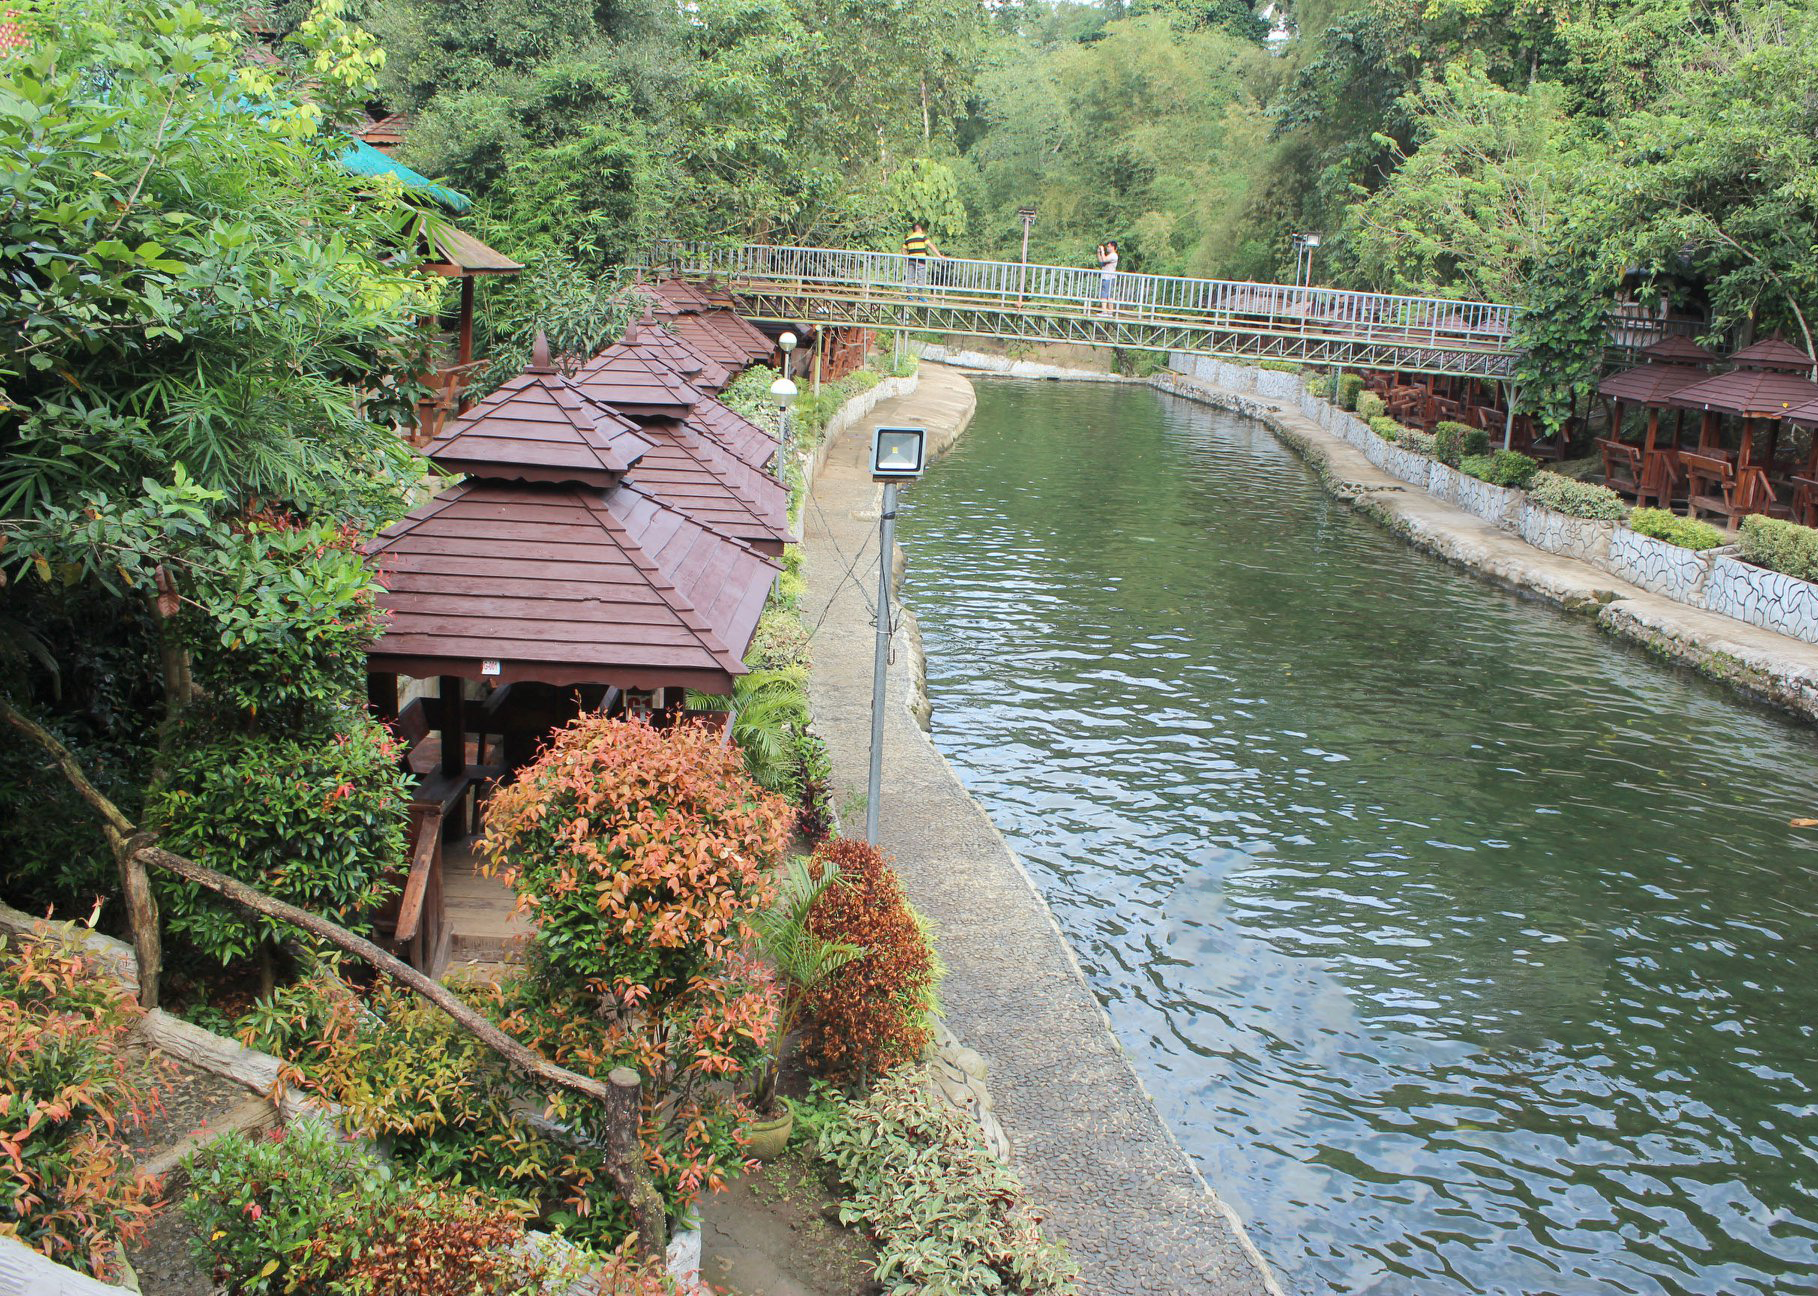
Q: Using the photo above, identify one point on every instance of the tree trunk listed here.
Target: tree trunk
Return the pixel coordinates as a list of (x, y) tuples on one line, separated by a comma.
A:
[(625, 1162)]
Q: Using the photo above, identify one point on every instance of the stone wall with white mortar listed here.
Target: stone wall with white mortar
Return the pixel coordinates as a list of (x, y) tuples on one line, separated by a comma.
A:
[(1769, 599), (1658, 567)]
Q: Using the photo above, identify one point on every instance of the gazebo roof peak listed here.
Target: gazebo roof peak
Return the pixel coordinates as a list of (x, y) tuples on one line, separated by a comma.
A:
[(1772, 354), (1678, 350), (540, 427)]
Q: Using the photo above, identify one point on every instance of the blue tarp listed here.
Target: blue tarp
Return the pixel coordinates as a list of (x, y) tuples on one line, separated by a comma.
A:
[(362, 159)]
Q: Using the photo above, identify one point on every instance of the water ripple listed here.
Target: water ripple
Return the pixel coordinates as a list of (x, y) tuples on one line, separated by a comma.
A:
[(1466, 949)]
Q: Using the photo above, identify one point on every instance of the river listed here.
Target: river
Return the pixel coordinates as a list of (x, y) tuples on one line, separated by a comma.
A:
[(1466, 949)]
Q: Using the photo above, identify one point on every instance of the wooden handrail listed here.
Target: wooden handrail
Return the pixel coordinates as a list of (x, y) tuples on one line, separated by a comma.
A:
[(425, 861)]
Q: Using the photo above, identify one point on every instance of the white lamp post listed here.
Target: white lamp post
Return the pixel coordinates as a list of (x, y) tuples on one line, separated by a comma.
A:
[(782, 391), (897, 455)]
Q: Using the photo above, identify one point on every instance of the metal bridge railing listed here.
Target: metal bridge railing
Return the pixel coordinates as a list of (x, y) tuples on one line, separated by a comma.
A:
[(1071, 291)]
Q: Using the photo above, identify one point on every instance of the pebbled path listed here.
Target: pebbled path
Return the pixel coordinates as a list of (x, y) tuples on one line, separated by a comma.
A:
[(1106, 1173)]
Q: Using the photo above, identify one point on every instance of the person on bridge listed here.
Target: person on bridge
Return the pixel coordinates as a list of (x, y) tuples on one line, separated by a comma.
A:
[(1107, 272), (917, 246)]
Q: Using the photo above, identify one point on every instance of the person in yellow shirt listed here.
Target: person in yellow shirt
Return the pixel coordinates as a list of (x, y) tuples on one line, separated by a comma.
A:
[(918, 245)]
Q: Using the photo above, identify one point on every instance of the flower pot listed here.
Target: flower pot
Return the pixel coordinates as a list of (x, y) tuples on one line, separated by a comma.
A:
[(766, 1139)]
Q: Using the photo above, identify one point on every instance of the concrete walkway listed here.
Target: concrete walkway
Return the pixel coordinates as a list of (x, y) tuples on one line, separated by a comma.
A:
[(1106, 1173)]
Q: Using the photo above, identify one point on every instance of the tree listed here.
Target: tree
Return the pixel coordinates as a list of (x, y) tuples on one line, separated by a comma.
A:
[(210, 327)]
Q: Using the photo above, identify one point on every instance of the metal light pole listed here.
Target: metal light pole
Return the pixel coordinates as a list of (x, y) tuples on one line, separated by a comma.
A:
[(896, 455), (782, 391), (1027, 214), (886, 540)]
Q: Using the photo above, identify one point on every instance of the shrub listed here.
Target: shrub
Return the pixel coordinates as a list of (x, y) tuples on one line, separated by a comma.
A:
[(643, 855), (448, 1109), (1321, 387), (1350, 385), (1780, 546), (1576, 498), (1452, 442), (874, 1013), (1370, 406), (1687, 533), (319, 823), (639, 852), (780, 642), (1280, 366), (1504, 468), (1417, 441), (947, 1215), (1386, 428), (303, 1211), (68, 1094)]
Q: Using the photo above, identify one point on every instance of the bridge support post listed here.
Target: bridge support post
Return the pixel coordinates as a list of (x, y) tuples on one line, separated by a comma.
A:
[(1508, 423)]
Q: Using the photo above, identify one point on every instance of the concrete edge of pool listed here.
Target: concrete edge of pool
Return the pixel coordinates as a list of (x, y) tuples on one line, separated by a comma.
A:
[(1104, 1168)]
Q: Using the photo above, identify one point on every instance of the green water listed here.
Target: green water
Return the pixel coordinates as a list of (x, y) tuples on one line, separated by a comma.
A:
[(1466, 949)]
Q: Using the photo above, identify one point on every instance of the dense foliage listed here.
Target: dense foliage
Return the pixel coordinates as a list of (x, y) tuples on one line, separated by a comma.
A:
[(1687, 533), (872, 1014), (1780, 545), (210, 330), (303, 1210), (1503, 468), (71, 1093), (946, 1214)]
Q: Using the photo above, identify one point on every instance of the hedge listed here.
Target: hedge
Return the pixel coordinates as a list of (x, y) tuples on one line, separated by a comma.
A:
[(1386, 428), (1349, 387), (1452, 442), (1780, 545), (1675, 530), (1504, 468), (1577, 499), (1370, 406)]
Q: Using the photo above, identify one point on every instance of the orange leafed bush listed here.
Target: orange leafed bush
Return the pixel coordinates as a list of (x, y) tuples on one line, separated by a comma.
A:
[(642, 854), (639, 852), (871, 1015), (68, 1096)]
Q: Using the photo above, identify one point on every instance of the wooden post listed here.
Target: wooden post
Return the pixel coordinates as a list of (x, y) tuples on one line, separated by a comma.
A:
[(465, 352), (454, 726), (625, 1161), (820, 336), (382, 694)]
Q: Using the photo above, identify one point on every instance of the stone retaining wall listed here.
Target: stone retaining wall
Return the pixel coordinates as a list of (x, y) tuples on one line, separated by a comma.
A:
[(1769, 599)]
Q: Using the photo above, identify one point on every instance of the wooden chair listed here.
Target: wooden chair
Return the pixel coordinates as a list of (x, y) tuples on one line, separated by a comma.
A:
[(1805, 500), (1710, 485), (1622, 467)]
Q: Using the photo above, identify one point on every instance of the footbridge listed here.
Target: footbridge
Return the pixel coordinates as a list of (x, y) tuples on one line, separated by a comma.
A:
[(1225, 319)]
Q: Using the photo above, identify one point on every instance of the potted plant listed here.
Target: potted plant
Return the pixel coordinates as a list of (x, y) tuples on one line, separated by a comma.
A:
[(803, 961)]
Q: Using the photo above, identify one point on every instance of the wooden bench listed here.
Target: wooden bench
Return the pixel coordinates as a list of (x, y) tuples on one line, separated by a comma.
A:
[(415, 723), (1622, 467), (1710, 485)]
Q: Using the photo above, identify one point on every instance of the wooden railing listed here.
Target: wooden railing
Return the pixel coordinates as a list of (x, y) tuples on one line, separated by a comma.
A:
[(421, 932), (1075, 292)]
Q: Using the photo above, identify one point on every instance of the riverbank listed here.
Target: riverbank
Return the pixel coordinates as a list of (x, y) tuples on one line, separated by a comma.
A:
[(1762, 664), (1766, 666), (1088, 1142)]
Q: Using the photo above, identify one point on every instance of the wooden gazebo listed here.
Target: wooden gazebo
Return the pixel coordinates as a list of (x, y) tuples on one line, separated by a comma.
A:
[(1650, 470), (1770, 381), (550, 565)]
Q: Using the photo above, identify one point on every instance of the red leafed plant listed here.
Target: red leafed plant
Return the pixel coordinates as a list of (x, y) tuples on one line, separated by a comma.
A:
[(68, 1094), (872, 1014), (642, 855)]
